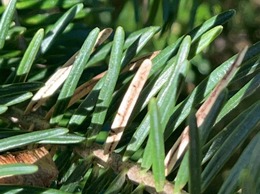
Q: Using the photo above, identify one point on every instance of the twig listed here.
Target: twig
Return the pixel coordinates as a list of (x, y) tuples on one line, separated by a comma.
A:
[(134, 171)]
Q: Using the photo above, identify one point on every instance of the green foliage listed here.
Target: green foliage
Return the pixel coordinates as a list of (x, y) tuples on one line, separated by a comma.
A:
[(156, 153), (25, 139), (14, 169), (29, 57), (109, 82), (5, 22), (194, 156), (38, 37)]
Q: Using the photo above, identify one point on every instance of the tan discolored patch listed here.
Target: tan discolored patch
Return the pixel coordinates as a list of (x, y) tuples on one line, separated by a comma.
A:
[(85, 88), (127, 105)]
